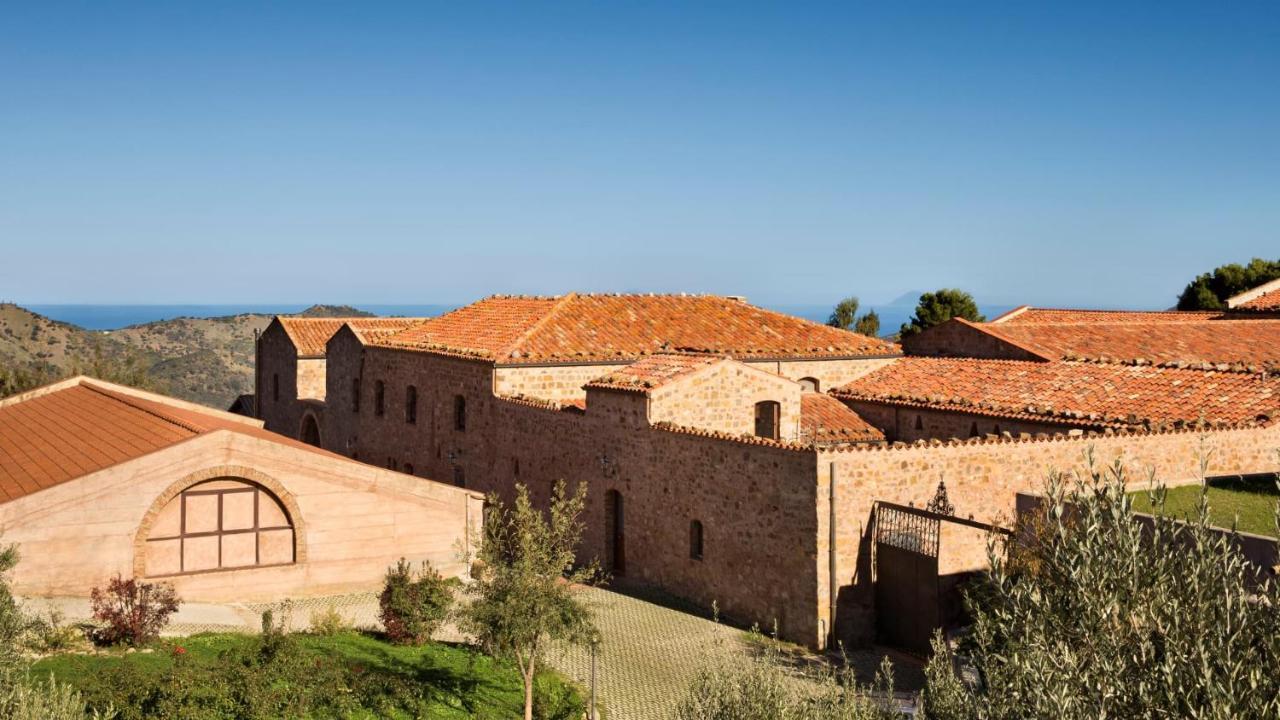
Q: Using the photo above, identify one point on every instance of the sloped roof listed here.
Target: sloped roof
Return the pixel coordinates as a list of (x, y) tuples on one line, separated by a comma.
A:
[(310, 335), (652, 372), (1236, 342), (1027, 315), (79, 426), (1267, 302), (595, 328), (825, 419), (1087, 394)]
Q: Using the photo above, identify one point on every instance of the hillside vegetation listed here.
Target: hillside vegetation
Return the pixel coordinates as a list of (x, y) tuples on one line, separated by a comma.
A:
[(205, 360)]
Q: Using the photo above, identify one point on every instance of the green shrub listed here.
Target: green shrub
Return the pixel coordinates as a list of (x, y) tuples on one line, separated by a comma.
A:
[(49, 633), (1094, 615), (328, 622), (412, 606), (25, 698)]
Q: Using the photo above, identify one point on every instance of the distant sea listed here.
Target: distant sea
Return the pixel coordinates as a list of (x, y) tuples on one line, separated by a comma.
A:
[(112, 317)]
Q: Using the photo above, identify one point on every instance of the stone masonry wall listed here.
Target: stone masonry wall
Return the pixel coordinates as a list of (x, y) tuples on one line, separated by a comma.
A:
[(554, 382), (830, 374), (899, 424), (722, 398), (983, 478), (310, 380), (755, 500), (956, 339), (278, 363)]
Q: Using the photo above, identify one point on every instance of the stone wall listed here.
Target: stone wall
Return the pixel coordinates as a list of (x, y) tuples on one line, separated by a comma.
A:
[(830, 374), (549, 382), (908, 424), (754, 499), (983, 479), (722, 398), (277, 378), (960, 339), (351, 522), (310, 379)]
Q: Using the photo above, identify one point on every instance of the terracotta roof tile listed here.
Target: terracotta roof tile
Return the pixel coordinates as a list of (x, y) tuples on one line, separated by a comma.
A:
[(652, 372), (310, 335), (1027, 315), (584, 328), (56, 434), (824, 419), (1239, 342), (1086, 394), (1267, 302)]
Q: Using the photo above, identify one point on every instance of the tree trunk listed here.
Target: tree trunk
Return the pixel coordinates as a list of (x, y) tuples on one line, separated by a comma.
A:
[(528, 693)]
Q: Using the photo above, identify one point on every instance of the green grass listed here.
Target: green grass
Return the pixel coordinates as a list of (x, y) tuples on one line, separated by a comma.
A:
[(367, 677), (1250, 499)]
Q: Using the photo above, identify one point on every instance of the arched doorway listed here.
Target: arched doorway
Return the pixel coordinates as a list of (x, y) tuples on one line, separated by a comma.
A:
[(614, 522), (310, 433)]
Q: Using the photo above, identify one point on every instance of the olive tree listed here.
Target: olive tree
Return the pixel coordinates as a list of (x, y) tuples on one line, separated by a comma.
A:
[(1093, 614), (524, 595)]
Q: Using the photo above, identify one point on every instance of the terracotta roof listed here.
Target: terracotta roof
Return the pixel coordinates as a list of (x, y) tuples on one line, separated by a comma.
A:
[(593, 328), (310, 335), (1246, 343), (1027, 315), (825, 419), (79, 426), (1267, 302), (652, 372), (1086, 394)]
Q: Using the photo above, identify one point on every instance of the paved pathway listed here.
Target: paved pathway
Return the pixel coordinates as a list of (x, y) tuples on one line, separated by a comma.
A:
[(651, 648)]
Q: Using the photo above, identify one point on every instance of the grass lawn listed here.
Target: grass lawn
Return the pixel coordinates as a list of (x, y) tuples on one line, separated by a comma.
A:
[(348, 675), (1253, 499)]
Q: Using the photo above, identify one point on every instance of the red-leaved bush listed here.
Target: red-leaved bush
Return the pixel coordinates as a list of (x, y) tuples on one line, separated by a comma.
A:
[(134, 612)]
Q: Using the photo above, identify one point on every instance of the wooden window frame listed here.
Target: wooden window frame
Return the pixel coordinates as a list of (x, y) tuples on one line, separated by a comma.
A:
[(257, 530)]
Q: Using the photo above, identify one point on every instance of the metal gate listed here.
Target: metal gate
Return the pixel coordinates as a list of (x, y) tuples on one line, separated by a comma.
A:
[(906, 585)]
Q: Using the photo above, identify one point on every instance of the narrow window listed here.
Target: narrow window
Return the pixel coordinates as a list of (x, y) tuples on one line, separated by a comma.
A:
[(459, 413), (767, 419), (973, 430), (809, 385), (378, 397), (695, 540), (919, 422), (996, 430), (515, 466), (408, 468), (459, 476), (275, 387), (411, 405), (355, 395)]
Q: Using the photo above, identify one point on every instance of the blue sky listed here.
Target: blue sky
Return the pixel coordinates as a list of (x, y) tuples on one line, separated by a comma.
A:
[(1091, 155)]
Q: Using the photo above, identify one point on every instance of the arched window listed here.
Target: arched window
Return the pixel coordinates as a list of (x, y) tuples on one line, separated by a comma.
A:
[(408, 468), (310, 431), (615, 534), (973, 430), (695, 540), (219, 524), (459, 413), (275, 387), (919, 422), (459, 476), (355, 395), (411, 405), (767, 413), (379, 395), (996, 429), (809, 385)]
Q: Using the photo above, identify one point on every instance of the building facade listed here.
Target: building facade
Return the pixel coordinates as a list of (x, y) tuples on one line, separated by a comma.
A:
[(735, 456)]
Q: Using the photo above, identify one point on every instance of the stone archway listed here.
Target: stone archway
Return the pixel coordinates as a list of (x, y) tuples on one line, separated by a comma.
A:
[(288, 508), (309, 432)]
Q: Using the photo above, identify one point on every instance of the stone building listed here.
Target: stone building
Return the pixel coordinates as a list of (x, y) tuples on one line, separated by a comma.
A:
[(98, 479), (737, 456)]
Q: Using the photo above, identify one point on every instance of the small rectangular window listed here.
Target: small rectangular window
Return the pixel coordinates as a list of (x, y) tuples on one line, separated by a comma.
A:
[(355, 395), (459, 413)]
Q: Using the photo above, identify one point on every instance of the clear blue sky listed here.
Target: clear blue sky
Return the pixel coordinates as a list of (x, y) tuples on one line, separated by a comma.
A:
[(1094, 154)]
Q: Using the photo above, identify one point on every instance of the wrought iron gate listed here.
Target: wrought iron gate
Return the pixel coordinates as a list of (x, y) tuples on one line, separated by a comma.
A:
[(907, 595)]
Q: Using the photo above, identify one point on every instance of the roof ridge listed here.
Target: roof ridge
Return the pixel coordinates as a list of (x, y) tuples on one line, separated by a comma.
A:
[(542, 321), (132, 402)]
